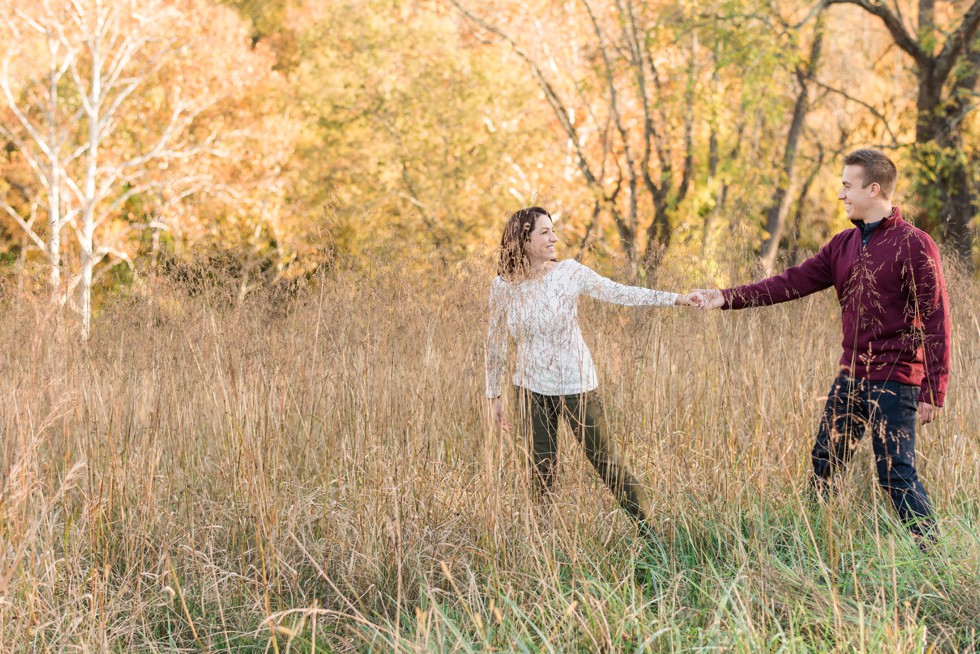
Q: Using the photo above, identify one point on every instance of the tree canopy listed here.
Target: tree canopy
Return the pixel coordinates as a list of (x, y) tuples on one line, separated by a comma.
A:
[(286, 136)]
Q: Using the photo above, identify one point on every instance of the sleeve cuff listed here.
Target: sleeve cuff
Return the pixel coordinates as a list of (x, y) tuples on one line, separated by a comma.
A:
[(727, 294), (932, 397)]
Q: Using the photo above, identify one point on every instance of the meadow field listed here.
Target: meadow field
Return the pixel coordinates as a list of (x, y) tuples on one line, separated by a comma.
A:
[(315, 473)]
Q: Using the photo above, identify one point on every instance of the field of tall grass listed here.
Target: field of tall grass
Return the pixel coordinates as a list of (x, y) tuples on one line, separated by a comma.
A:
[(316, 473)]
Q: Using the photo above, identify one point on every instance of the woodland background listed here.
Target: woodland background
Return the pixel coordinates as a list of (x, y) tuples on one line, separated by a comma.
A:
[(244, 255), (265, 141)]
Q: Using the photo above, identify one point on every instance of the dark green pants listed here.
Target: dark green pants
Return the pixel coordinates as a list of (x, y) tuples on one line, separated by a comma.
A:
[(542, 413)]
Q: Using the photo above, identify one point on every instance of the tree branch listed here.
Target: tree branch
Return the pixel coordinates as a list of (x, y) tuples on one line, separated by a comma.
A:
[(627, 231), (874, 112), (903, 39), (23, 225), (97, 257), (557, 106), (958, 42)]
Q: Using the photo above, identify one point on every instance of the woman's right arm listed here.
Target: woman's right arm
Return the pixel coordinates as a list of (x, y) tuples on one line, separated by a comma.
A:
[(593, 284), (496, 360)]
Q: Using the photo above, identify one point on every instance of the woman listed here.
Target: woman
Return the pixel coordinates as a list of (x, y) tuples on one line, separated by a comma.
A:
[(535, 299)]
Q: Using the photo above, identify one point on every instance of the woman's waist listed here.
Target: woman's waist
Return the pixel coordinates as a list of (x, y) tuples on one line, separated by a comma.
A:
[(571, 355)]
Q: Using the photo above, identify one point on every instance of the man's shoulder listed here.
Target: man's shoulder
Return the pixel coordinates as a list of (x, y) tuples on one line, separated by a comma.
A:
[(840, 239), (844, 235), (917, 240), (921, 236)]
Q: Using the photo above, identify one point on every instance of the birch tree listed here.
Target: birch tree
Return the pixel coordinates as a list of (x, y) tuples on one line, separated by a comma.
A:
[(39, 127), (102, 101)]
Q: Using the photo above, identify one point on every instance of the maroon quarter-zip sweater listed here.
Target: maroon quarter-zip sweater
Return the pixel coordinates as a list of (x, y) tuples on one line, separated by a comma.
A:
[(894, 305)]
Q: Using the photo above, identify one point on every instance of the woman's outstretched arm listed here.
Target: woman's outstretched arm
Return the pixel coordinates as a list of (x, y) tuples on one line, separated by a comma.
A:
[(595, 285)]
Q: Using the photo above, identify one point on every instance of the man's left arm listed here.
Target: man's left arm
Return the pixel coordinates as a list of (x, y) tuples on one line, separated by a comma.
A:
[(931, 305)]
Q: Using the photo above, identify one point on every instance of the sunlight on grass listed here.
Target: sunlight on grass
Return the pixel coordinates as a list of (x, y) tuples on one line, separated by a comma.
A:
[(314, 474)]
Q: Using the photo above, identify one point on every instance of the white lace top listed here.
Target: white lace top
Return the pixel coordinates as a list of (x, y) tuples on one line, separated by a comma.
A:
[(542, 317)]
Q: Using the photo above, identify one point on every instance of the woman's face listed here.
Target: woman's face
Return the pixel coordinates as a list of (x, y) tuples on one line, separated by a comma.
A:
[(541, 245)]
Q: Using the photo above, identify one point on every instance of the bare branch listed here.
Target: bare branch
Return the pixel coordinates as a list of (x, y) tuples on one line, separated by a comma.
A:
[(32, 161), (554, 100), (901, 35), (97, 257), (154, 65), (877, 114), (626, 230), (31, 234), (36, 136)]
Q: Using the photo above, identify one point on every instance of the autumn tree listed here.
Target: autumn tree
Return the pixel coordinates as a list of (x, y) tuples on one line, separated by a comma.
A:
[(414, 134), (762, 146), (942, 42), (114, 116), (622, 86), (805, 72)]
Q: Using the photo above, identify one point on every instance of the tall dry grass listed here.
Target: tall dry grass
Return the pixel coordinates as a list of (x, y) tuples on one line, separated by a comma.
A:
[(316, 474)]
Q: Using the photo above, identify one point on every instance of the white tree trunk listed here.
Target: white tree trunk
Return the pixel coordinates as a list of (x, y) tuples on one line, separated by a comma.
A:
[(85, 284), (54, 185), (54, 233), (99, 56), (86, 235)]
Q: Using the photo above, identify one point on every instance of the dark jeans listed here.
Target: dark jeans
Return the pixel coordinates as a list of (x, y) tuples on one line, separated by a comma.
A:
[(889, 409), (584, 414)]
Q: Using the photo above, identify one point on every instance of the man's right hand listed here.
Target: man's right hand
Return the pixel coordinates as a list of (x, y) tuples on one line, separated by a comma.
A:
[(497, 413), (927, 412), (707, 299)]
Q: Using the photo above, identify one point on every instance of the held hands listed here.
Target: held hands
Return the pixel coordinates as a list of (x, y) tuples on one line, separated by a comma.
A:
[(703, 299)]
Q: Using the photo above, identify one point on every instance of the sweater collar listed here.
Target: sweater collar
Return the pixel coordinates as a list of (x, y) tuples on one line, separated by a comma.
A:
[(892, 218)]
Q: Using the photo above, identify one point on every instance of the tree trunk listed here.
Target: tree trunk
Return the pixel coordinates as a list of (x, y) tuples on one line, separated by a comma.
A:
[(947, 190), (779, 209), (959, 205), (93, 111), (54, 234), (86, 239), (54, 192), (950, 180)]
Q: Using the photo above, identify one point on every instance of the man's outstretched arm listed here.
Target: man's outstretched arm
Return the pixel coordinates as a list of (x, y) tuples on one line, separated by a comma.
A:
[(814, 274)]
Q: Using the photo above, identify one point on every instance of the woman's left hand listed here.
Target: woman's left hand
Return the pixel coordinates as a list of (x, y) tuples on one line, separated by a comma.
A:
[(497, 413)]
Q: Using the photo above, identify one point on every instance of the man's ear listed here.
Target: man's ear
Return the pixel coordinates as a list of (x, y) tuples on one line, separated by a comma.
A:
[(875, 189)]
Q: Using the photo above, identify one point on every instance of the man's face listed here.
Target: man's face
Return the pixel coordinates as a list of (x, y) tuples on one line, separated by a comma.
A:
[(858, 199)]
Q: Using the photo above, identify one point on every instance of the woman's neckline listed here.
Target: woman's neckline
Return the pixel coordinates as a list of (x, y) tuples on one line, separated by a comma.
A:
[(539, 278)]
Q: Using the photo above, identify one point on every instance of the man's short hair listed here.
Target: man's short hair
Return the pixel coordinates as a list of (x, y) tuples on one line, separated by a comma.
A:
[(878, 169)]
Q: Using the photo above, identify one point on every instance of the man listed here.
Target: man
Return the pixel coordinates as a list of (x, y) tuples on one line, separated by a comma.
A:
[(895, 318)]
